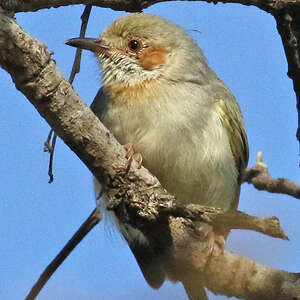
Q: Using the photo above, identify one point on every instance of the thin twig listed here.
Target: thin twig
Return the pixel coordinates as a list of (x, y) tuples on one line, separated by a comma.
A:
[(50, 170), (47, 147), (225, 219), (261, 179), (84, 21), (75, 70), (50, 148), (84, 229)]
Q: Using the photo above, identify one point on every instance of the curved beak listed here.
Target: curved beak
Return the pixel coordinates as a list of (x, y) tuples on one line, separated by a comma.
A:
[(94, 45)]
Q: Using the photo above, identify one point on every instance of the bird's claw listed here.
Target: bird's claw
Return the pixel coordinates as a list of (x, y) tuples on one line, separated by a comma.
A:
[(128, 150), (130, 154), (214, 238)]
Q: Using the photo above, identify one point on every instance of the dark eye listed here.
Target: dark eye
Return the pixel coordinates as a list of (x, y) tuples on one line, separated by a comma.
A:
[(134, 45)]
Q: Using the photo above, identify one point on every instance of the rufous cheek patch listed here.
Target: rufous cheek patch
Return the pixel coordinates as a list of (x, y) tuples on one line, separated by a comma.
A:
[(153, 57)]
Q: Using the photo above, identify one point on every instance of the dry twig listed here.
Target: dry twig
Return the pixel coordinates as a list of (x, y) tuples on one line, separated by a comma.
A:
[(83, 230), (75, 69), (261, 179)]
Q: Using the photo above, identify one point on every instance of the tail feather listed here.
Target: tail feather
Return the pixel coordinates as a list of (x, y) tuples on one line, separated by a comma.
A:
[(149, 263), (147, 256), (195, 292)]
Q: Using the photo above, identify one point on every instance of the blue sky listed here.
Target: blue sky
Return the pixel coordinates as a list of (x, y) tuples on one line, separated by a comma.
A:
[(36, 219)]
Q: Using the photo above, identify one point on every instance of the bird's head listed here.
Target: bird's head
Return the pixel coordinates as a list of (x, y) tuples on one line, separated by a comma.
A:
[(139, 48)]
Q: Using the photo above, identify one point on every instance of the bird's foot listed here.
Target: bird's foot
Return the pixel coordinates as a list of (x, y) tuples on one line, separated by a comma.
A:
[(215, 240), (131, 154)]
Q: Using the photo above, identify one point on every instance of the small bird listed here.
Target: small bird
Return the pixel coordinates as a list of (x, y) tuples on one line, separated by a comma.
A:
[(160, 97)]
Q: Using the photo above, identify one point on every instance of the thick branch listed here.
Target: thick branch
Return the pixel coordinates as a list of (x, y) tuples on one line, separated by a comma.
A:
[(288, 26), (233, 275), (242, 278), (36, 76), (34, 5), (134, 5)]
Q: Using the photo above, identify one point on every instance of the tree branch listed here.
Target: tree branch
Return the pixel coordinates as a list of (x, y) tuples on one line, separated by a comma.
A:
[(270, 6), (247, 279), (34, 5), (288, 26), (260, 177), (37, 77), (234, 275), (93, 219), (229, 220), (75, 70)]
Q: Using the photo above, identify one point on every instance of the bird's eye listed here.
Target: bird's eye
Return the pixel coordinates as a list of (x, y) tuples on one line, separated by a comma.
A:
[(134, 45)]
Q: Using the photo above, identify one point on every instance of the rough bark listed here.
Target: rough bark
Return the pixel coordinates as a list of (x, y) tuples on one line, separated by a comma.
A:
[(271, 6)]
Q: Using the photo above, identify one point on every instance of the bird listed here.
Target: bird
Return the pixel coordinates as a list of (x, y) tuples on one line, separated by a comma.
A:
[(160, 98)]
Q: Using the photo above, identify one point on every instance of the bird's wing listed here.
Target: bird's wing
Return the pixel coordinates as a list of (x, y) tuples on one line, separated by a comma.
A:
[(97, 104), (233, 122)]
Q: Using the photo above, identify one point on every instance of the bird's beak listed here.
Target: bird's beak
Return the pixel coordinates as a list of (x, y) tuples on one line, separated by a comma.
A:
[(94, 45)]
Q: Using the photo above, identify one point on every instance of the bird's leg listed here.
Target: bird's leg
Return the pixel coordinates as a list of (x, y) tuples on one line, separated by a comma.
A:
[(215, 239), (131, 154), (128, 150)]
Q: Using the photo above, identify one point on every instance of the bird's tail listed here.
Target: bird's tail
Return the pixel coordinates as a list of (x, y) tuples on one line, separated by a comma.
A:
[(195, 292)]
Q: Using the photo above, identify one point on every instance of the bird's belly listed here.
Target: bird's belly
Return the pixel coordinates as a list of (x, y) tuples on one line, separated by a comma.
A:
[(193, 169), (177, 180), (189, 174)]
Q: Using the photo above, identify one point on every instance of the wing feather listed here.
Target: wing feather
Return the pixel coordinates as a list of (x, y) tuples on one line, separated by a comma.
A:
[(231, 117)]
